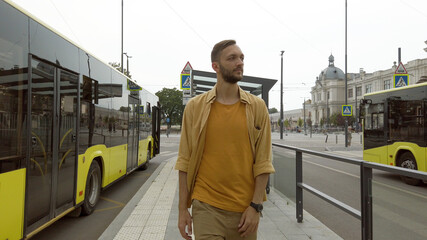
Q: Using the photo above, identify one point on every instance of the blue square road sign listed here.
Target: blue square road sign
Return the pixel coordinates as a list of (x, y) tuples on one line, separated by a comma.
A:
[(347, 111)]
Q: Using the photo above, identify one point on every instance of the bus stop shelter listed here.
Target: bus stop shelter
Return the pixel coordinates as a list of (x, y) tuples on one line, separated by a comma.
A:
[(202, 82)]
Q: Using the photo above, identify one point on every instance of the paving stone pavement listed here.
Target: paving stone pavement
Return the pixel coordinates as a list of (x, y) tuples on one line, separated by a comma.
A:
[(152, 214)]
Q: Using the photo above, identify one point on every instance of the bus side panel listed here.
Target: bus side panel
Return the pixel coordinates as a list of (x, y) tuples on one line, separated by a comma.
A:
[(117, 162), (418, 152), (12, 198), (84, 162), (377, 155), (143, 147)]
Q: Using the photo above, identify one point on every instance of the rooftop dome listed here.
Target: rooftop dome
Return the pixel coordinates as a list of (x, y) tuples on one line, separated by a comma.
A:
[(331, 72)]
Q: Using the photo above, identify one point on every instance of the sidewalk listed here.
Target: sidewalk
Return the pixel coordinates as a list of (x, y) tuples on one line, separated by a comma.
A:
[(153, 214)]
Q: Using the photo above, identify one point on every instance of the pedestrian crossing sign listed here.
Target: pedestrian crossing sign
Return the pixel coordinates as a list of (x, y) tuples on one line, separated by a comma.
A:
[(347, 111), (185, 81), (400, 80)]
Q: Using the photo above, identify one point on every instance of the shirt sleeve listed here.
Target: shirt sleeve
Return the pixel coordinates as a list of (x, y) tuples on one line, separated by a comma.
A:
[(263, 151), (185, 146)]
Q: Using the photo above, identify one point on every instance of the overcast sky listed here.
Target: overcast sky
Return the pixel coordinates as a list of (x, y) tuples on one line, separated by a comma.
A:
[(162, 35)]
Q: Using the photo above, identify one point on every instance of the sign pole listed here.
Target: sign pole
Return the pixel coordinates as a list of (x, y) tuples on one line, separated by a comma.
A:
[(346, 118)]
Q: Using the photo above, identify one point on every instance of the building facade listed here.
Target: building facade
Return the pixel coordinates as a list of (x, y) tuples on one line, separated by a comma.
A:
[(328, 94)]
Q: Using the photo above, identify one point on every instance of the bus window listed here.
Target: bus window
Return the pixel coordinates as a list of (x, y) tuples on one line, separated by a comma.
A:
[(406, 121)]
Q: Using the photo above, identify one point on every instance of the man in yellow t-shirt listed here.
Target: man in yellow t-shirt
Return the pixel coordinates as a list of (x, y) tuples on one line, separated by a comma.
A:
[(224, 156)]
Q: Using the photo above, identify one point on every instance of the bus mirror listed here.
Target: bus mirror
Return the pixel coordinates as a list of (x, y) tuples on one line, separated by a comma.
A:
[(365, 101)]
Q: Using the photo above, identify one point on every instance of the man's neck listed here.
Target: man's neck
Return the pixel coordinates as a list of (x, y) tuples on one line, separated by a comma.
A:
[(227, 93)]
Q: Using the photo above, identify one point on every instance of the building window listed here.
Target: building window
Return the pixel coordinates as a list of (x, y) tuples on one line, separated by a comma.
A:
[(368, 88), (350, 93), (387, 84), (319, 97), (328, 96), (358, 91)]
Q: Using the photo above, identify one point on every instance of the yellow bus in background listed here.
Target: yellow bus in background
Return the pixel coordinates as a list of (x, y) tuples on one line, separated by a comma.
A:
[(394, 128), (70, 125)]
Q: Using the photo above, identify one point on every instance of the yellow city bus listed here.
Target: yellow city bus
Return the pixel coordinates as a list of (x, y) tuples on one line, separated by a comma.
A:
[(394, 128), (70, 125)]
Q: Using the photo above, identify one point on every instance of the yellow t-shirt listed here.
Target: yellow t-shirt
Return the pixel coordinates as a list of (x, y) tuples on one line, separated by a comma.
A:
[(225, 177)]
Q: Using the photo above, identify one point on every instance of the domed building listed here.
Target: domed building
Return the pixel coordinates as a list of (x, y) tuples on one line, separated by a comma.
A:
[(328, 93)]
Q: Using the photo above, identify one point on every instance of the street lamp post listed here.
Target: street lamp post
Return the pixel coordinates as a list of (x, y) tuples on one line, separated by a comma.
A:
[(122, 40), (281, 96), (127, 63), (305, 129), (355, 102), (345, 76)]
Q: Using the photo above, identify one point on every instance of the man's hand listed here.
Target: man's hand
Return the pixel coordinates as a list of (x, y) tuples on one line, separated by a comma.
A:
[(248, 222), (184, 220)]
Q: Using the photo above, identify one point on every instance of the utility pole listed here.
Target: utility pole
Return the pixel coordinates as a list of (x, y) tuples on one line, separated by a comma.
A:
[(281, 97)]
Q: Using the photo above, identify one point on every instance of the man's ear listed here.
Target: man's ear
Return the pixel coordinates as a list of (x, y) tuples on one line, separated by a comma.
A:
[(215, 66)]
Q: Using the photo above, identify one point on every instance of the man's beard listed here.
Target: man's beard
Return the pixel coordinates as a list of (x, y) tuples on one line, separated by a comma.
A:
[(228, 76)]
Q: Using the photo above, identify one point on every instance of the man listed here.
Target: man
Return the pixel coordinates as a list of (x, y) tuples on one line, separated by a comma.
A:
[(224, 155)]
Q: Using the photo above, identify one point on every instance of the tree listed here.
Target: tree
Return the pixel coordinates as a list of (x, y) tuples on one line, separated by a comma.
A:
[(272, 110), (171, 103), (118, 67), (286, 123), (300, 122), (124, 109)]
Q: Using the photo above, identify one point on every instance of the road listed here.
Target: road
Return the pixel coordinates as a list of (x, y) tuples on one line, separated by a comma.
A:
[(112, 201), (399, 210)]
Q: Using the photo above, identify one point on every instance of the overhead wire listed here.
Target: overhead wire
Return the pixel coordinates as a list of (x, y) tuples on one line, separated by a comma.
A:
[(188, 25), (65, 21), (286, 26)]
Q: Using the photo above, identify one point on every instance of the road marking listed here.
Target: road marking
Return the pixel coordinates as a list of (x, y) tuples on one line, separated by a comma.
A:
[(169, 154), (399, 189), (118, 205), (374, 181), (165, 152), (332, 169)]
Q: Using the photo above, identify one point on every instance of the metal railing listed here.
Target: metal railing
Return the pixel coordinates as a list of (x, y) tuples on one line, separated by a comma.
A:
[(365, 215)]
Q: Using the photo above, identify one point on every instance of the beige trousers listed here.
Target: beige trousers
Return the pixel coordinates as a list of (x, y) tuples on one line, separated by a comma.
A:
[(211, 223)]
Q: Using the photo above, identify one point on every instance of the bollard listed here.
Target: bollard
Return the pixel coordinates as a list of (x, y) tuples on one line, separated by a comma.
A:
[(360, 139), (336, 138), (326, 140)]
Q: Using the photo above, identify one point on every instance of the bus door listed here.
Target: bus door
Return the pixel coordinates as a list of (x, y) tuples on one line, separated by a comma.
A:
[(156, 129), (133, 137), (406, 125), (51, 168)]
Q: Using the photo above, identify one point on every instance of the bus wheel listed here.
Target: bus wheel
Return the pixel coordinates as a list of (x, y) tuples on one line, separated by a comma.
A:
[(93, 189), (145, 166), (407, 160)]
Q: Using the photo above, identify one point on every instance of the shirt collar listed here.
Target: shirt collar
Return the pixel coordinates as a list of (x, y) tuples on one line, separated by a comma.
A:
[(212, 95)]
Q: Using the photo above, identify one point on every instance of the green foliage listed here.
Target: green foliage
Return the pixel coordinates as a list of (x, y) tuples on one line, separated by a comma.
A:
[(286, 123), (124, 109), (300, 122), (171, 103), (322, 122), (272, 110), (337, 119), (118, 67)]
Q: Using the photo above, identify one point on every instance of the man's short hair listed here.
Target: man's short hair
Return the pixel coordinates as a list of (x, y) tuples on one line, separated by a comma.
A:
[(217, 49)]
